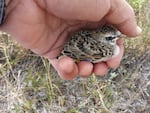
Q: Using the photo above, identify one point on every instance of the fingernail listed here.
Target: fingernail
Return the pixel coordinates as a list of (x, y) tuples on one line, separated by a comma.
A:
[(139, 30)]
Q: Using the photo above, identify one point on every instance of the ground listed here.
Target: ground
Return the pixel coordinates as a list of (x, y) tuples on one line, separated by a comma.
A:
[(29, 84)]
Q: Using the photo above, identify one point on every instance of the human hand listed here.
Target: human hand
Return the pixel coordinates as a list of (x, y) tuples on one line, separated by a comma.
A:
[(43, 26)]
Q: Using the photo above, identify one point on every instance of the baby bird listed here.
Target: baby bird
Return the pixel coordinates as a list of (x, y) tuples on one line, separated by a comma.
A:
[(93, 45)]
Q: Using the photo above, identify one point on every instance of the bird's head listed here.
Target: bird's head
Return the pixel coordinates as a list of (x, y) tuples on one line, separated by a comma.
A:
[(108, 34)]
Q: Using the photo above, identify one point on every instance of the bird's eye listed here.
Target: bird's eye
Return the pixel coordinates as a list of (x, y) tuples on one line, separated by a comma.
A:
[(110, 38)]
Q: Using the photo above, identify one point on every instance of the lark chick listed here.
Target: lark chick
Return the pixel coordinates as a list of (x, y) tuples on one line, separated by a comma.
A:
[(93, 45)]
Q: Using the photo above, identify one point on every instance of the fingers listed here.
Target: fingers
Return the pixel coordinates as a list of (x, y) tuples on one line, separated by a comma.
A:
[(100, 68), (122, 15), (85, 68), (68, 70), (65, 67)]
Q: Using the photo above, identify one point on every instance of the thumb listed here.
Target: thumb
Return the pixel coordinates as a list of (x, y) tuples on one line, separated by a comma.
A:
[(122, 16), (86, 10)]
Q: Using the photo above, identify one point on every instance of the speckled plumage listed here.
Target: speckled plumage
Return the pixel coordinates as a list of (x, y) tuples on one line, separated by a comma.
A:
[(93, 45)]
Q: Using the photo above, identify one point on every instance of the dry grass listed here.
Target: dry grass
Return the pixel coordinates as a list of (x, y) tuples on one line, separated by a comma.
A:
[(29, 84)]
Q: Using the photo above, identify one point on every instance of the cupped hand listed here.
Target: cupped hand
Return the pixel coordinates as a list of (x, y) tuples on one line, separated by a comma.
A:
[(43, 26)]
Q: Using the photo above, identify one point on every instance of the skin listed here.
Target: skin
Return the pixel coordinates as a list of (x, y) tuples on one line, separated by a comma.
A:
[(43, 26)]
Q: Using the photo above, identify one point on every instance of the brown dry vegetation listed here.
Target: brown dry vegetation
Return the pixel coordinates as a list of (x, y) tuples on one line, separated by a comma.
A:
[(29, 84)]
